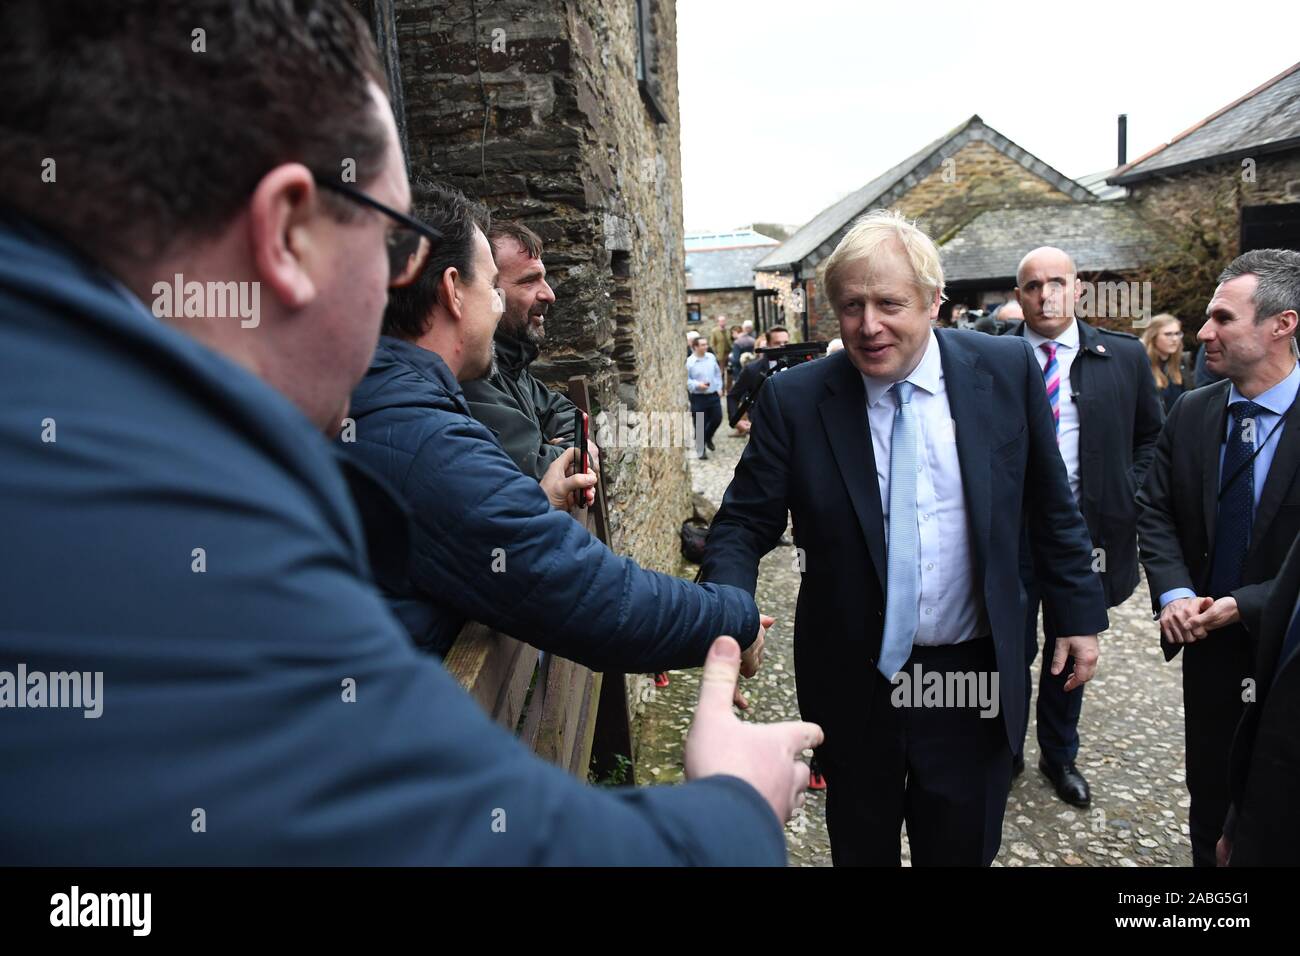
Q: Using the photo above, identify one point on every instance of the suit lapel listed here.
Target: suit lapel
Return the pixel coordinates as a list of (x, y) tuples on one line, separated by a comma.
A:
[(1215, 420), (1286, 459), (844, 415), (970, 400)]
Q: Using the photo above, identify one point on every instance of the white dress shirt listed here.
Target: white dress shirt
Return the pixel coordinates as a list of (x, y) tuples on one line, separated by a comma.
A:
[(1067, 350), (950, 610)]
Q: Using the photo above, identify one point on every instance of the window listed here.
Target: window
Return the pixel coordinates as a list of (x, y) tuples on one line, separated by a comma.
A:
[(647, 59), (693, 313)]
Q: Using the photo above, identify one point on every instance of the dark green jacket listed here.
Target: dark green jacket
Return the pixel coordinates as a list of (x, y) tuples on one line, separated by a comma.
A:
[(522, 412)]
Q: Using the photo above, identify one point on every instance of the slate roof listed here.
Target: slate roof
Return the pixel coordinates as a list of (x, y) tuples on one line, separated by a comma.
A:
[(1100, 236), (731, 268), (818, 238), (1267, 119)]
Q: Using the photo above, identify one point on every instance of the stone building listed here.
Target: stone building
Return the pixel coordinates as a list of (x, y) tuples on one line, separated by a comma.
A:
[(564, 114), (720, 275), (944, 186), (1229, 184), (1163, 225)]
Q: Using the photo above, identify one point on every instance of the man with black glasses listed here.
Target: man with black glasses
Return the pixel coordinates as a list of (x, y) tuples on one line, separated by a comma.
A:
[(175, 521)]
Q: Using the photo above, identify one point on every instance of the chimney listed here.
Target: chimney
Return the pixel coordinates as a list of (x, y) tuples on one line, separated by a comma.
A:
[(1123, 138)]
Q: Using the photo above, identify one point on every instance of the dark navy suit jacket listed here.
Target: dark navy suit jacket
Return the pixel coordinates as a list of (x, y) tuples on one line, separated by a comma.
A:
[(813, 456)]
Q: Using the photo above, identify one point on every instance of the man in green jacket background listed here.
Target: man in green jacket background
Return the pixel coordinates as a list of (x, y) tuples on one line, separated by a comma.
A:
[(533, 423)]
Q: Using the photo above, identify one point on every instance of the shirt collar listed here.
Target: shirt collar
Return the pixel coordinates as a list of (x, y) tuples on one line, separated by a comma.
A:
[(1278, 398), (1068, 339), (927, 375)]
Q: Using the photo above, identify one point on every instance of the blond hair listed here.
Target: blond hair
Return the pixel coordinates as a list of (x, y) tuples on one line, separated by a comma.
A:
[(876, 228), (1175, 361)]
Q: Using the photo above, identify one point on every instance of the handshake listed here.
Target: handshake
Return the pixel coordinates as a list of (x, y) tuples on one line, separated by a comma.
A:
[(766, 756)]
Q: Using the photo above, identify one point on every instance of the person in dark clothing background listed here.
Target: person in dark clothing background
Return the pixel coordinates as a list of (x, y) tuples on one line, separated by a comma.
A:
[(1107, 418), (752, 375), (1220, 509), (533, 423), (1262, 827), (1163, 339)]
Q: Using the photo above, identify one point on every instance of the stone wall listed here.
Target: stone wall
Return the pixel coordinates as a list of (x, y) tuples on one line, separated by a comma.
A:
[(1200, 213), (535, 109), (981, 177), (1182, 198), (736, 304)]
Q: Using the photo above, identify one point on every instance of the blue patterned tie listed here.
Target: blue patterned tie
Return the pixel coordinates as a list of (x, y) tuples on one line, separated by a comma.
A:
[(903, 566), (1237, 504)]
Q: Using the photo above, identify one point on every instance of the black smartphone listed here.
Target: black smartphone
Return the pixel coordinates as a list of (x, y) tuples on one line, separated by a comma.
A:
[(581, 462)]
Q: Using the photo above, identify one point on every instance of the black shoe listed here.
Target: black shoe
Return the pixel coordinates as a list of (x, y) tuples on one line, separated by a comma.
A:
[(709, 445), (1069, 783), (1017, 765)]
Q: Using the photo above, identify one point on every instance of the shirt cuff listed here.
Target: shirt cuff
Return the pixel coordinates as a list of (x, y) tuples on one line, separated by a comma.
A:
[(1174, 595)]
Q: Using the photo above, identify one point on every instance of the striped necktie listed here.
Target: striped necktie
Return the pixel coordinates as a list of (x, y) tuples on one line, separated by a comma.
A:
[(1052, 379)]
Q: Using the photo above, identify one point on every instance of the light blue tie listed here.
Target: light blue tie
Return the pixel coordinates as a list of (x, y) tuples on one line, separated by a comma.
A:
[(903, 569)]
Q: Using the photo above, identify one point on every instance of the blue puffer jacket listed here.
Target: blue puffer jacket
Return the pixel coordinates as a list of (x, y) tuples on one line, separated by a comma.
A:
[(487, 545), (124, 447)]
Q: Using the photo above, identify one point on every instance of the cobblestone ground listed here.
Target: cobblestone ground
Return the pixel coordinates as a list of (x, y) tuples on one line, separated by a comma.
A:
[(1131, 732)]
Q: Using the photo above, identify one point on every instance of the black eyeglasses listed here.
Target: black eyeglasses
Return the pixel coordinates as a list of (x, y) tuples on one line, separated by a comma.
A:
[(408, 245)]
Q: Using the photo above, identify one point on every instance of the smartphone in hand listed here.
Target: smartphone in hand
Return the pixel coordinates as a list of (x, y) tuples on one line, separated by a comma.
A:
[(581, 461)]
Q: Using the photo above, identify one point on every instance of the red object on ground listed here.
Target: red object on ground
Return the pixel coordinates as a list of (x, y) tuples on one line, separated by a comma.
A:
[(661, 680), (816, 781)]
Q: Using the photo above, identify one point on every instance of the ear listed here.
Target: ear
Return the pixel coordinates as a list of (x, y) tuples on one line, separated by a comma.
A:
[(934, 307), (449, 293), (1078, 288), (1287, 322), (286, 233), (1019, 300)]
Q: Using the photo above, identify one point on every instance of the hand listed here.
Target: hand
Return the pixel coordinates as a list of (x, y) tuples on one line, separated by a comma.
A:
[(763, 755), (753, 656), (1176, 618), (1223, 851), (1085, 652), (559, 485), (593, 451), (1220, 614)]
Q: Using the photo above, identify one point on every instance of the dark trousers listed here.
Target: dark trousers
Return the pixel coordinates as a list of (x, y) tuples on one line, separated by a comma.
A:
[(1058, 712), (711, 407), (944, 771), (1213, 674)]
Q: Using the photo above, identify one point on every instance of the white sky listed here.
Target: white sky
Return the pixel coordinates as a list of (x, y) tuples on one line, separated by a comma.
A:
[(788, 105)]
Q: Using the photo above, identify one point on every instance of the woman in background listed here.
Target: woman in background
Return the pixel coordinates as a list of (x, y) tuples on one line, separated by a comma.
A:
[(1164, 341)]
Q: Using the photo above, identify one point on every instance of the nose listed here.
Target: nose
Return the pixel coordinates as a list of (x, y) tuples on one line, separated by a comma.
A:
[(548, 294), (1206, 333), (870, 322)]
